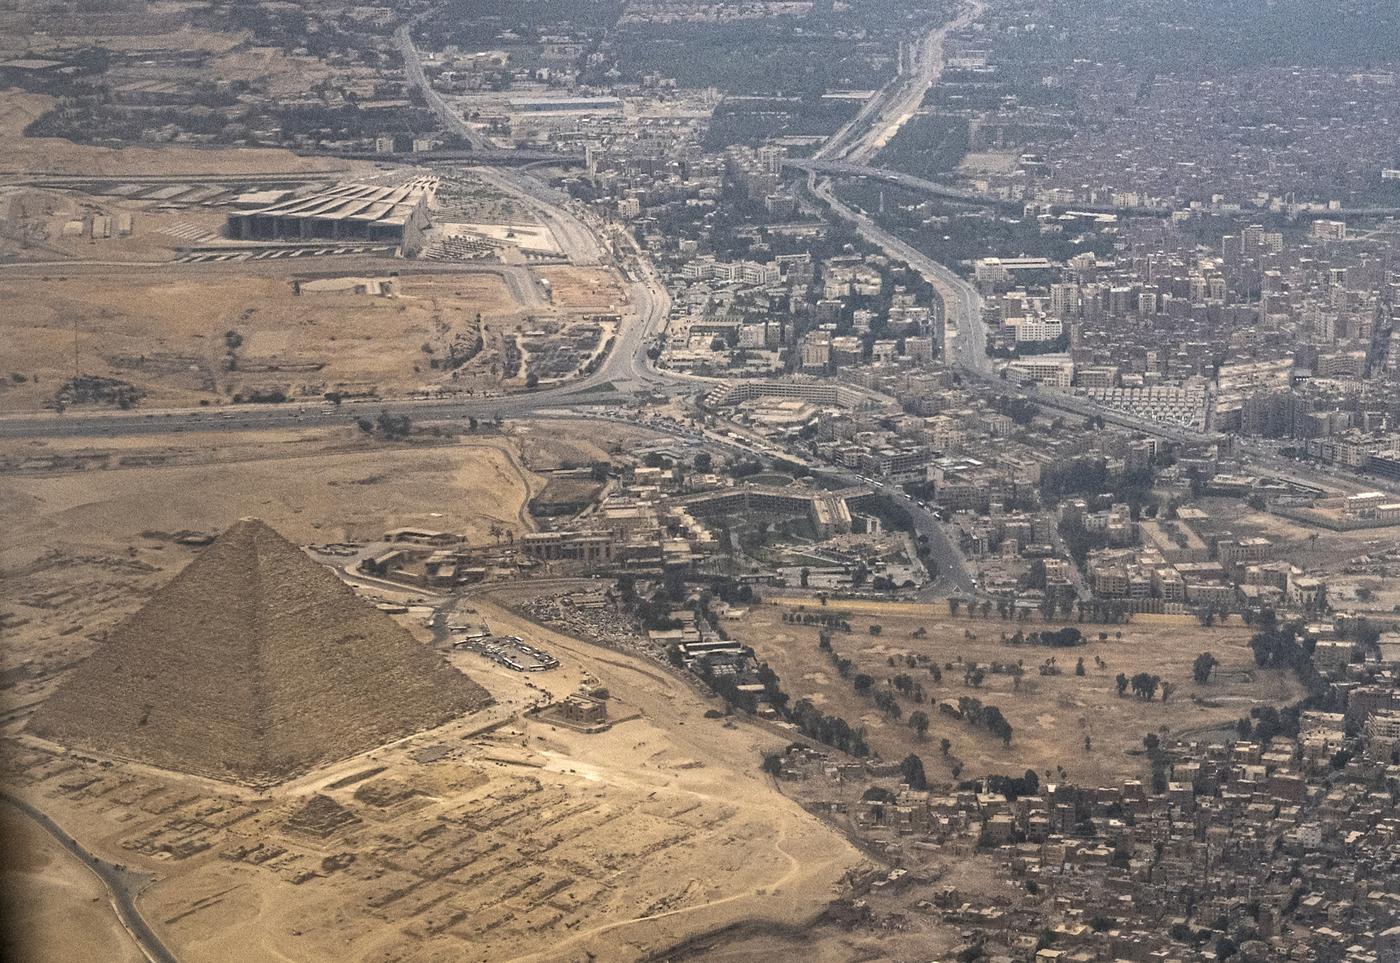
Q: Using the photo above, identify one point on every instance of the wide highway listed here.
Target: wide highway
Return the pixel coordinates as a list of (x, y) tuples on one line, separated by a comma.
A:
[(413, 66), (921, 63)]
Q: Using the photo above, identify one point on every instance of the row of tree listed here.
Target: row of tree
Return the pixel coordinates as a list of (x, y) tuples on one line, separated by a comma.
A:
[(1105, 611)]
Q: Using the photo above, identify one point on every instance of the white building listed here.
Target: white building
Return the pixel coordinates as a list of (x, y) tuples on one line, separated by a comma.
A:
[(1052, 370)]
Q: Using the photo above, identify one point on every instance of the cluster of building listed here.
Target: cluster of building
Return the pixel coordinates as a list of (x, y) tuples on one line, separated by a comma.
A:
[(1284, 336), (1156, 130), (1189, 561), (1282, 849)]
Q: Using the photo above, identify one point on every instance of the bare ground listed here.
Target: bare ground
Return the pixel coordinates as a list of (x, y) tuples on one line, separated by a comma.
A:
[(1050, 714)]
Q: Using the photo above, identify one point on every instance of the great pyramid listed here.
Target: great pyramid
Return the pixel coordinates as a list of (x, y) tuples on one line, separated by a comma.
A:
[(252, 665)]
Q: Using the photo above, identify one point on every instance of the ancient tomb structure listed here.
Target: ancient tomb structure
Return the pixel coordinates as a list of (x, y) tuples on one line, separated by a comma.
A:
[(253, 665)]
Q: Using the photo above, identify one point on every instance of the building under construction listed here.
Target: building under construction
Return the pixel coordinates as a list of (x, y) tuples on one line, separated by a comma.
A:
[(395, 214)]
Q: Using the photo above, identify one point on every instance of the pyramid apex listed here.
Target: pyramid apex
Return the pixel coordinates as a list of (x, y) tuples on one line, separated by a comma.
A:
[(254, 528)]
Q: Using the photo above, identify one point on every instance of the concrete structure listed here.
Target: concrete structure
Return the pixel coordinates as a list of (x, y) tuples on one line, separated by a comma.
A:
[(591, 547), (1052, 370), (359, 212), (828, 511)]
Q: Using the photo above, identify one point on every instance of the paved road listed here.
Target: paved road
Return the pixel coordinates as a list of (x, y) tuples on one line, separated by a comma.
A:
[(303, 267), (413, 66), (122, 884), (900, 179), (923, 185), (578, 241), (921, 63), (963, 336)]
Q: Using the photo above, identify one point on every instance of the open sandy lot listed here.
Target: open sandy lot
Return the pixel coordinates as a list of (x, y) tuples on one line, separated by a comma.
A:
[(571, 442), (169, 334), (987, 162), (585, 289), (1051, 715)]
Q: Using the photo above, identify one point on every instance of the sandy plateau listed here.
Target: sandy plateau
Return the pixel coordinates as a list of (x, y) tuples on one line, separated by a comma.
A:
[(252, 333), (87, 547)]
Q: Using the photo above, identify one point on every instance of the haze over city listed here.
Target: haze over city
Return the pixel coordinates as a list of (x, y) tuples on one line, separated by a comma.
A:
[(669, 481)]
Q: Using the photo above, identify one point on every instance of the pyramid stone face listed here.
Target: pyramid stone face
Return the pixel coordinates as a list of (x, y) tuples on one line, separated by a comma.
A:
[(254, 664)]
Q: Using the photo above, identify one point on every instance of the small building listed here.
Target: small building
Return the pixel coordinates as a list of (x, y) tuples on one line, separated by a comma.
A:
[(584, 711)]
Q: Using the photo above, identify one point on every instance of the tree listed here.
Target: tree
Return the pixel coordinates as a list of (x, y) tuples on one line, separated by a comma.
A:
[(862, 683), (918, 720), (912, 769), (996, 724), (393, 426), (1079, 667), (1202, 668), (1145, 685), (1122, 683), (1035, 576), (945, 746), (703, 462)]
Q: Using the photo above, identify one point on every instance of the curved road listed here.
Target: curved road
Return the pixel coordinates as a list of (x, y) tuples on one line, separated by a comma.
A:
[(122, 884)]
